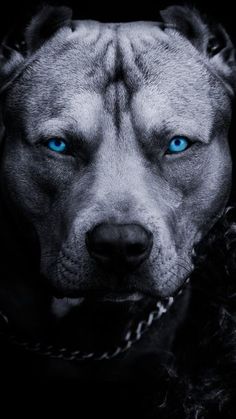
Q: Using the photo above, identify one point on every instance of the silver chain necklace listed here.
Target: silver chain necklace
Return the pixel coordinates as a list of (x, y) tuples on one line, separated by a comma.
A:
[(63, 353)]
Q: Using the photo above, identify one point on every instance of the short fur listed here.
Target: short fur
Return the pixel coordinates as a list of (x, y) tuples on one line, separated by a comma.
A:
[(189, 357)]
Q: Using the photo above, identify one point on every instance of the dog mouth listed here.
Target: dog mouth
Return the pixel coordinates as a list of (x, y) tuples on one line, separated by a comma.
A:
[(121, 297), (70, 352), (63, 305), (133, 312), (100, 296)]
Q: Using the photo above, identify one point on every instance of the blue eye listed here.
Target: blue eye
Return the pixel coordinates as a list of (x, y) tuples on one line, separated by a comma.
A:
[(178, 144), (57, 145)]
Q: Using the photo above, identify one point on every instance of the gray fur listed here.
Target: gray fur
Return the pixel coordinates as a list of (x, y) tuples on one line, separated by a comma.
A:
[(120, 92)]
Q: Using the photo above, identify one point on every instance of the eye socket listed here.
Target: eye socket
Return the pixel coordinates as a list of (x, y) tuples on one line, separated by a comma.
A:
[(178, 145), (57, 145)]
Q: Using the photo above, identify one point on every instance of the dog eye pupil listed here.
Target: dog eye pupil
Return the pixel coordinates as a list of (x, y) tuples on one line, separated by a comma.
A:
[(178, 145), (56, 144), (177, 142)]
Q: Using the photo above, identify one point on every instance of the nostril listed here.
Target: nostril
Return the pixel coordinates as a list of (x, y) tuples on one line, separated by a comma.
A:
[(94, 244), (136, 249), (102, 248)]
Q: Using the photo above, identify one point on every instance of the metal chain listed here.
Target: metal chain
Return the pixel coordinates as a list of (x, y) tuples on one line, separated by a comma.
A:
[(131, 337)]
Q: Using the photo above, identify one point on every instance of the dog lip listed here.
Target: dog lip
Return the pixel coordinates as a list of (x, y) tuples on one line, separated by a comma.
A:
[(117, 295), (98, 295), (120, 297)]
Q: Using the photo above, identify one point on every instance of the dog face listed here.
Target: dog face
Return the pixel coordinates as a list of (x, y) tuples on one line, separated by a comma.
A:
[(116, 150)]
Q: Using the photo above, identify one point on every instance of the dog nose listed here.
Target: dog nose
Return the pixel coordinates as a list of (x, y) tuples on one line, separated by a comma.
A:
[(119, 247)]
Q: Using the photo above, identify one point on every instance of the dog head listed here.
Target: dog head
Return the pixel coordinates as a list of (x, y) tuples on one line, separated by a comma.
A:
[(116, 148)]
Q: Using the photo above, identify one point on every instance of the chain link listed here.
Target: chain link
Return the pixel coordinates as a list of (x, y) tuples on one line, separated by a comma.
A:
[(131, 337)]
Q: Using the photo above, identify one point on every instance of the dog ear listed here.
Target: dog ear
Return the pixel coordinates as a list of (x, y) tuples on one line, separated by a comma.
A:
[(209, 39), (10, 60), (45, 24)]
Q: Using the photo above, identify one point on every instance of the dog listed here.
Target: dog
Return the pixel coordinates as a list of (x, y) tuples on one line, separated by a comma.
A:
[(115, 172)]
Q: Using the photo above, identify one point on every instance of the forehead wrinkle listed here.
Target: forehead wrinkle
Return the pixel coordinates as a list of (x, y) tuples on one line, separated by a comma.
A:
[(116, 67), (116, 91), (133, 74), (120, 55), (145, 45), (152, 109), (124, 74), (80, 116)]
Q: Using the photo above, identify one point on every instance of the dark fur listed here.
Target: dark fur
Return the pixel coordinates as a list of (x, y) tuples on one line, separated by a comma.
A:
[(198, 380), (202, 383), (45, 24)]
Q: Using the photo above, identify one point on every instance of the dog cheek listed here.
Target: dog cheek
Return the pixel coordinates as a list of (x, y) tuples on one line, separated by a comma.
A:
[(23, 193), (216, 180)]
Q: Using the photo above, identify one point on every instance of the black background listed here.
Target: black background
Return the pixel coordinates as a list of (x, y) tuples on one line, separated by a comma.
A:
[(17, 15)]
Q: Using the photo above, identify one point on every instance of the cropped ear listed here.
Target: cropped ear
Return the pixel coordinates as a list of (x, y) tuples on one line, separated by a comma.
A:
[(10, 61), (43, 26), (210, 39)]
